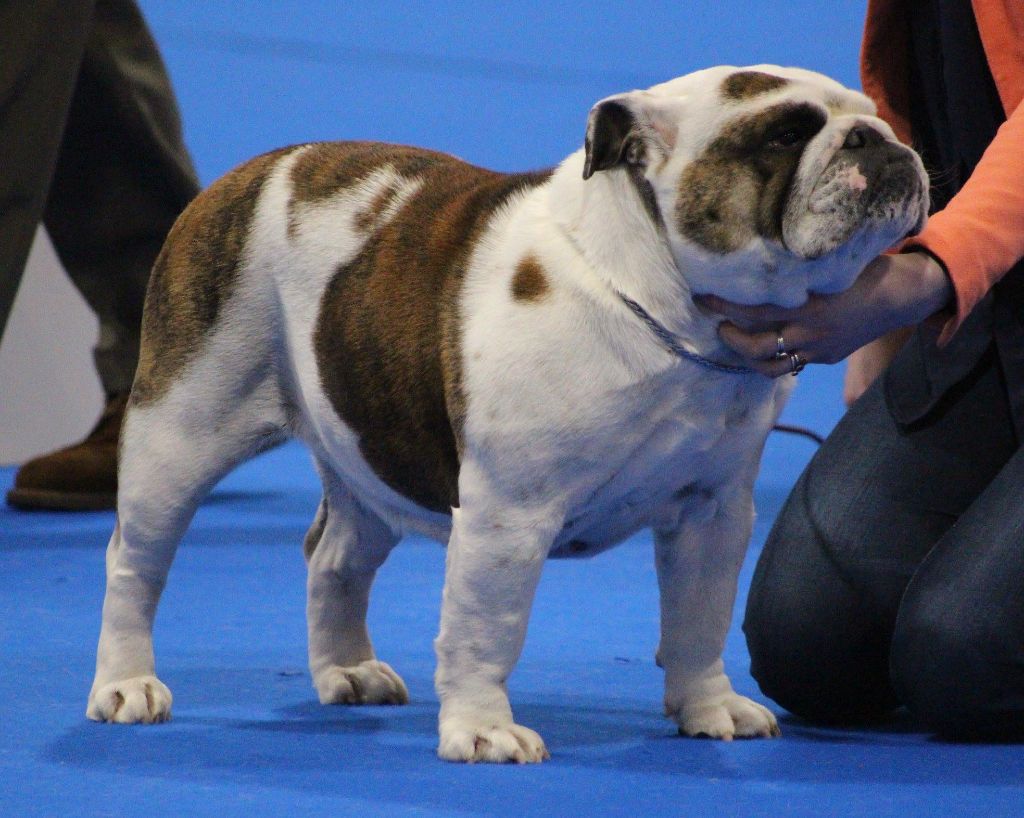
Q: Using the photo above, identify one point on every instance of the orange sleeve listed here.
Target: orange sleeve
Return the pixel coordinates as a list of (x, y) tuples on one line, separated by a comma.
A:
[(884, 63), (979, 235)]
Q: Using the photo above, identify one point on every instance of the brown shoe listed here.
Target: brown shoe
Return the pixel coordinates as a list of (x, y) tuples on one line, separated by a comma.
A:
[(82, 477)]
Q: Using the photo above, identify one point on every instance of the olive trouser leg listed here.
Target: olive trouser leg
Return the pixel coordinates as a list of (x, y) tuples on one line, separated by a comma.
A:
[(91, 128)]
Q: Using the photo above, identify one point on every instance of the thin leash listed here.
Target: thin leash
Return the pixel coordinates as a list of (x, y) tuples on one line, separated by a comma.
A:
[(802, 431), (675, 346)]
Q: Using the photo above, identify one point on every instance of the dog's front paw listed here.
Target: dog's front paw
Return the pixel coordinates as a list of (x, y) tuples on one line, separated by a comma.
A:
[(470, 740), (143, 699), (726, 716), (369, 682)]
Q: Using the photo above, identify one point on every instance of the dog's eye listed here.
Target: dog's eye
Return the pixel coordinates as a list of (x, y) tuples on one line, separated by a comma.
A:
[(788, 138)]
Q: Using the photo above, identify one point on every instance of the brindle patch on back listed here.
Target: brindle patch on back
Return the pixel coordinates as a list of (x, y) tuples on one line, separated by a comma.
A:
[(366, 219), (387, 339), (736, 189), (747, 84), (326, 168), (195, 273), (529, 283)]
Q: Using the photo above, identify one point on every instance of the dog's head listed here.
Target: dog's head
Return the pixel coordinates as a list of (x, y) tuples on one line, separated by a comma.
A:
[(771, 183)]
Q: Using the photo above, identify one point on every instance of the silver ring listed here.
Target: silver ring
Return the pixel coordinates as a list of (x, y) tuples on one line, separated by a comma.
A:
[(780, 347), (796, 363)]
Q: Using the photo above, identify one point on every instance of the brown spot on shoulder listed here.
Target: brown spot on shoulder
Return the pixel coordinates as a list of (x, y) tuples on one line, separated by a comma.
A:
[(388, 341), (746, 84), (195, 274), (529, 283)]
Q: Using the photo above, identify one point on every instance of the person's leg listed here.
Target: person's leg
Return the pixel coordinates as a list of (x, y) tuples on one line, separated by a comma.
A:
[(42, 45), (957, 653), (871, 504), (122, 177)]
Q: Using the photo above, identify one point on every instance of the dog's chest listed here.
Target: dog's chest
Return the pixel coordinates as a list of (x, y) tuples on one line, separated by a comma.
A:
[(673, 450)]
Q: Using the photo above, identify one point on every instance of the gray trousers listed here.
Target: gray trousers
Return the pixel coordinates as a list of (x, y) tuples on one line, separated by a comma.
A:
[(92, 148)]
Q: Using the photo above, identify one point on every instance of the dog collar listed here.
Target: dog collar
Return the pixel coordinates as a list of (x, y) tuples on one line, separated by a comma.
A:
[(673, 344)]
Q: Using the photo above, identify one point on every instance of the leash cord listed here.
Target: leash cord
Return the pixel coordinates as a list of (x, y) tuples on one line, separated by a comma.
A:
[(674, 346), (802, 431)]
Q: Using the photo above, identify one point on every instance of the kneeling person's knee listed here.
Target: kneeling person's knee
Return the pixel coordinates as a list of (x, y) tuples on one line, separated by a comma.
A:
[(815, 646), (959, 675)]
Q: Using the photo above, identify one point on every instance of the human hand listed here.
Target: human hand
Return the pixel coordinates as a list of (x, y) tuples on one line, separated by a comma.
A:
[(893, 291)]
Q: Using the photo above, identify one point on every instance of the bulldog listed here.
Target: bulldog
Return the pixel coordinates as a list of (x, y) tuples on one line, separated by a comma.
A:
[(510, 363)]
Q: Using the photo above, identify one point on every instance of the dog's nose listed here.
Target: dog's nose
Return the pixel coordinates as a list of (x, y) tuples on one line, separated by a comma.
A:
[(861, 136)]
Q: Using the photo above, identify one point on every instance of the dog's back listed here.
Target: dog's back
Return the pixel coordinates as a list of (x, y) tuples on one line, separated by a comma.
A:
[(353, 254)]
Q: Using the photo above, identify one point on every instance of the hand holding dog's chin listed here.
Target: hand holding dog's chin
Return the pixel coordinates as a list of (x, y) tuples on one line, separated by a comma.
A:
[(893, 291)]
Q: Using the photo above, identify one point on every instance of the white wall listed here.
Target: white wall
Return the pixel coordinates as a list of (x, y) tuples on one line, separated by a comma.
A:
[(50, 394)]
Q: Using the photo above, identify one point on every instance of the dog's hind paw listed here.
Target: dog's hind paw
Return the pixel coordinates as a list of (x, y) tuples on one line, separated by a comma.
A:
[(142, 699), (463, 740), (369, 682), (726, 717)]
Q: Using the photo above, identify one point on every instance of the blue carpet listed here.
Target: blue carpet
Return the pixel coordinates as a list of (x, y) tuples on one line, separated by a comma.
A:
[(248, 736), (507, 86)]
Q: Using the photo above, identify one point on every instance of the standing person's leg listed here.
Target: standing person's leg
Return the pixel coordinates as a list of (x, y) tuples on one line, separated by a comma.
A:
[(872, 503), (42, 46), (122, 178)]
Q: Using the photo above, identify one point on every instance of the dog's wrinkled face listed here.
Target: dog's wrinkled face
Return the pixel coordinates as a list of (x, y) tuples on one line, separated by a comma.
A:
[(771, 183)]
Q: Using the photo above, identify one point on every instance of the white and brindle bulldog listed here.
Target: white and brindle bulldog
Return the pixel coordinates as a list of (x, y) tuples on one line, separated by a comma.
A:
[(513, 364)]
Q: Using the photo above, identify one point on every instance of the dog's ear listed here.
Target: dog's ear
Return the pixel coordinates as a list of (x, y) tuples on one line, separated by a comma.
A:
[(624, 130)]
